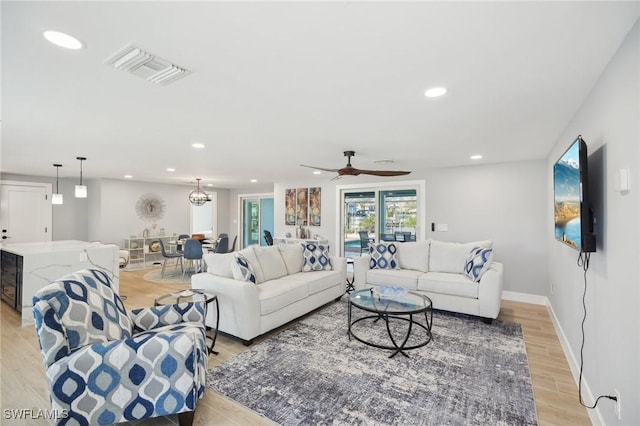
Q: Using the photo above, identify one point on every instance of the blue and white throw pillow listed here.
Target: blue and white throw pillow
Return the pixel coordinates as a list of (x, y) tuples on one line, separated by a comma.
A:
[(383, 256), (478, 261), (316, 258), (241, 269)]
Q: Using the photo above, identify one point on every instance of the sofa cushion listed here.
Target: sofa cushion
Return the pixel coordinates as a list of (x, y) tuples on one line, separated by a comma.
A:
[(250, 255), (316, 258), (219, 264), (241, 269), (383, 255), (278, 293), (414, 255), (478, 261), (317, 281), (292, 256), (406, 278), (447, 283), (271, 262), (451, 257)]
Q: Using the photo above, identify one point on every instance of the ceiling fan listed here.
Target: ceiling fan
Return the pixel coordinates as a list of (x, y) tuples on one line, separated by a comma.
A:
[(349, 170)]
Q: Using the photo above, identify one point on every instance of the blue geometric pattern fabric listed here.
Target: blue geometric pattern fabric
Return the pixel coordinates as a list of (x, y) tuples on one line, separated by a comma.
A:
[(383, 256), (242, 270), (316, 258), (156, 368), (478, 261)]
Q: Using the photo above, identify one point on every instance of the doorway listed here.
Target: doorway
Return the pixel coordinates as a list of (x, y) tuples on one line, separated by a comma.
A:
[(25, 212), (256, 217), (204, 218)]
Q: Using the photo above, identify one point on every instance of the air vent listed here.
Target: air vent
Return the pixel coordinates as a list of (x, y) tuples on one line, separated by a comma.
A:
[(143, 64)]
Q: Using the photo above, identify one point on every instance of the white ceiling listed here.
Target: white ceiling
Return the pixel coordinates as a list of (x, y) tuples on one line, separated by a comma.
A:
[(275, 85)]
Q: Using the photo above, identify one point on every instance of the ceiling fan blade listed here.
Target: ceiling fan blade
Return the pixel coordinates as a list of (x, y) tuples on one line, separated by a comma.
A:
[(383, 172), (319, 168)]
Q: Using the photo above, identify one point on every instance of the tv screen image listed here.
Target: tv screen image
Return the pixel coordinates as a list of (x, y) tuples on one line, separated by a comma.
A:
[(572, 216)]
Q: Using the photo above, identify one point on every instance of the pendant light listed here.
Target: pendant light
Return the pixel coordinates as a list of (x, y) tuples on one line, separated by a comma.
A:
[(57, 197), (81, 190), (197, 197)]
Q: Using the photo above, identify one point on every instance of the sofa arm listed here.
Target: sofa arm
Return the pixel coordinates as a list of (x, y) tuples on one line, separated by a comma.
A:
[(360, 268), (490, 291), (159, 316), (238, 303), (340, 264)]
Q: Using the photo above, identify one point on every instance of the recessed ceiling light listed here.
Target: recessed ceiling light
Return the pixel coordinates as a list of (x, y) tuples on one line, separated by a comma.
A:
[(384, 161), (197, 145), (476, 157), (209, 184), (128, 176), (171, 169), (317, 172), (434, 92), (254, 180), (62, 40)]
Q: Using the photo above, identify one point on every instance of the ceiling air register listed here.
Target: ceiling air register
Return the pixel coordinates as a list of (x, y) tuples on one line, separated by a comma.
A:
[(136, 61)]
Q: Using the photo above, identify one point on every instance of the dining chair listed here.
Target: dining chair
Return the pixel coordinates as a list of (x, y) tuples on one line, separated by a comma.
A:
[(223, 245), (167, 256), (193, 253), (233, 246), (268, 238)]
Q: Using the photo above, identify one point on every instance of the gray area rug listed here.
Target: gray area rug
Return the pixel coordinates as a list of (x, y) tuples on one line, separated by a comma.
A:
[(471, 373)]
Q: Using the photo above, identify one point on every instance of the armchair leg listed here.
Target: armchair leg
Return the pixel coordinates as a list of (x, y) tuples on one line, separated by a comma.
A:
[(186, 418)]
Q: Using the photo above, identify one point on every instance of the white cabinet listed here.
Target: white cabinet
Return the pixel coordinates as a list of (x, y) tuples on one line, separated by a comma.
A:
[(144, 252)]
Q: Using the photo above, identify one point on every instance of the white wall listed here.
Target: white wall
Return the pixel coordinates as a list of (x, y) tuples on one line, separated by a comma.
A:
[(69, 219), (609, 122), (505, 203)]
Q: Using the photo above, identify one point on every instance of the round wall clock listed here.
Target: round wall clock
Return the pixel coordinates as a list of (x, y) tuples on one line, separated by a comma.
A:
[(150, 207)]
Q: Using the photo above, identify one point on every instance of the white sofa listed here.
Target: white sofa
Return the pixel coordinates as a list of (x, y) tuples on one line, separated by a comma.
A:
[(282, 292), (436, 269)]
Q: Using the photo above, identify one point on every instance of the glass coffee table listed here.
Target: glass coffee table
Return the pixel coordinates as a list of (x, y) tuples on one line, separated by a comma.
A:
[(393, 309)]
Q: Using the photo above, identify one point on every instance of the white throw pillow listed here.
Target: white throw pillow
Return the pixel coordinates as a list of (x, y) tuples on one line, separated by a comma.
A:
[(292, 256), (219, 264), (452, 257), (414, 255), (478, 261), (271, 262)]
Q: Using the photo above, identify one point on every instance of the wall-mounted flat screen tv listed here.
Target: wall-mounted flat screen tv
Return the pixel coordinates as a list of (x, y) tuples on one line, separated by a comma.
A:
[(573, 217)]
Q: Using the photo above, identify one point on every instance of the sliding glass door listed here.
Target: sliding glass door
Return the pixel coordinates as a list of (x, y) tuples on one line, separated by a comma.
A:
[(379, 213), (257, 216)]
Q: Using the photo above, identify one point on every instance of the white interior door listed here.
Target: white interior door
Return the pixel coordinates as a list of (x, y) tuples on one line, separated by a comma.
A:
[(25, 213)]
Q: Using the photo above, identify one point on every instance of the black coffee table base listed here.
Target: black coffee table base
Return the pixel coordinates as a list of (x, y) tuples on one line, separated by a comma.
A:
[(402, 346)]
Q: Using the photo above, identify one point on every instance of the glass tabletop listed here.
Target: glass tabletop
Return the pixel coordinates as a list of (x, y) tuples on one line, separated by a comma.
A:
[(402, 303)]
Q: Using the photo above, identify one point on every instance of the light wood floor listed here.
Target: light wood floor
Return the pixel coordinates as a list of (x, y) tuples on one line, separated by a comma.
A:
[(23, 385)]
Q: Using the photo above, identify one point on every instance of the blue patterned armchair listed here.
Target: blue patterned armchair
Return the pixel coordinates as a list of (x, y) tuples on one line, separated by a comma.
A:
[(105, 366)]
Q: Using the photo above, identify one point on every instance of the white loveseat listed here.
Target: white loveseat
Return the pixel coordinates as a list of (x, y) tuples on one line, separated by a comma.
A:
[(282, 292), (437, 270)]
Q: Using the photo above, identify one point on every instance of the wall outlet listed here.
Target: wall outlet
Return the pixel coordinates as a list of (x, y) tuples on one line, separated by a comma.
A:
[(617, 408), (83, 256)]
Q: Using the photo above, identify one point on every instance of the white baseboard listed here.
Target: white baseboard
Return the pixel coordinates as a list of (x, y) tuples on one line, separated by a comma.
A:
[(525, 298), (574, 365)]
